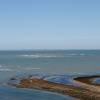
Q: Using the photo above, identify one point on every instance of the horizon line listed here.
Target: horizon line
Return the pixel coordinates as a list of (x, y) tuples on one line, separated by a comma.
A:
[(41, 49)]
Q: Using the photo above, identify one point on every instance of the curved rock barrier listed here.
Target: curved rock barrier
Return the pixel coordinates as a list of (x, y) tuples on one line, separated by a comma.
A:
[(87, 83), (84, 90)]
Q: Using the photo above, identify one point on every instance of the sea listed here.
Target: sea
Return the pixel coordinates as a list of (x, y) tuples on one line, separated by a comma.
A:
[(49, 62)]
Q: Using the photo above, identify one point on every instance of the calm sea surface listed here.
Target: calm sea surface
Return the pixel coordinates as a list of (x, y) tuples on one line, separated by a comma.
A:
[(52, 62)]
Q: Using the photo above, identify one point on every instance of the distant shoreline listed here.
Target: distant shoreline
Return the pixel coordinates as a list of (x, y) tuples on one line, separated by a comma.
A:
[(48, 49)]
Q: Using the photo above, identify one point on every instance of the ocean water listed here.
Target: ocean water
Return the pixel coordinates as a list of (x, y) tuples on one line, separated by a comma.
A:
[(53, 62)]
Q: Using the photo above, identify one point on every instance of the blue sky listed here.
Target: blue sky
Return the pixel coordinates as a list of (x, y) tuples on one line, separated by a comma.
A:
[(49, 24)]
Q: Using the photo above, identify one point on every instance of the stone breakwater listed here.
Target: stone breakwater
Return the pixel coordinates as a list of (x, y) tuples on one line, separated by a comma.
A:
[(85, 89)]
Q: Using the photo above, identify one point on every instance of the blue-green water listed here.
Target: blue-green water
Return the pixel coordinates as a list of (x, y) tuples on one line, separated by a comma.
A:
[(44, 61)]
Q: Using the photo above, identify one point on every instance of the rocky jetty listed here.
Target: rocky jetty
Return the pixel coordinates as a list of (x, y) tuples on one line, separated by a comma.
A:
[(84, 87)]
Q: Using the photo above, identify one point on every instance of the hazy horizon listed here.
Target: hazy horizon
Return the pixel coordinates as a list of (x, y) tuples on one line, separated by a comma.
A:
[(54, 24), (48, 49)]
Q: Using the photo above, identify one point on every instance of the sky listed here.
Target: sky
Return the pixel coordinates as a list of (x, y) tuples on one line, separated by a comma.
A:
[(49, 24)]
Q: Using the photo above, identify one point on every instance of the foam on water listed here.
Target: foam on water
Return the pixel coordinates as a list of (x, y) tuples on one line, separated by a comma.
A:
[(52, 55), (6, 69), (40, 56)]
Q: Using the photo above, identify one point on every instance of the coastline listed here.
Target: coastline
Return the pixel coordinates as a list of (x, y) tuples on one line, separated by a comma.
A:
[(84, 90)]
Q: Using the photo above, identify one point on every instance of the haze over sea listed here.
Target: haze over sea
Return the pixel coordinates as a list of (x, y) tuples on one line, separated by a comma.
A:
[(53, 62)]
